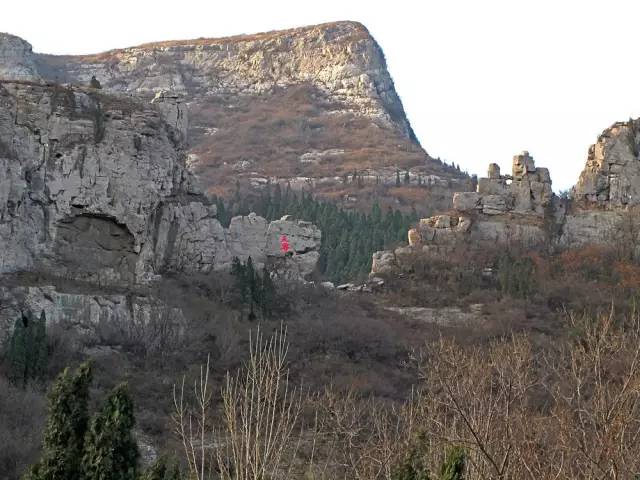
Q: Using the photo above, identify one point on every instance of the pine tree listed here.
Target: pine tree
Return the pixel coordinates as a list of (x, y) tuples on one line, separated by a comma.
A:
[(27, 352), (407, 178), (17, 353), (94, 83), (163, 469), (413, 467), (397, 177), (268, 294), (111, 452), (68, 416), (238, 271), (453, 466), (251, 281)]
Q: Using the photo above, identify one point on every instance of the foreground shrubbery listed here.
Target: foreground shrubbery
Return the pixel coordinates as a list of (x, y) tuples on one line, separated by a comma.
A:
[(508, 410), (516, 408)]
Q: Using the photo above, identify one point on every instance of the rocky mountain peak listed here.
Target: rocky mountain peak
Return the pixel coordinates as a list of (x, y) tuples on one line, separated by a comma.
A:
[(303, 107)]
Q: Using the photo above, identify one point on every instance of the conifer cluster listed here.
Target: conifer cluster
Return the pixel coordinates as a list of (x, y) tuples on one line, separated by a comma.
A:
[(256, 290), (27, 350), (78, 447)]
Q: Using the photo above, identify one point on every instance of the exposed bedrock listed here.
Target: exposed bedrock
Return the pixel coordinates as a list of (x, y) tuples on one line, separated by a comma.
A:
[(94, 190)]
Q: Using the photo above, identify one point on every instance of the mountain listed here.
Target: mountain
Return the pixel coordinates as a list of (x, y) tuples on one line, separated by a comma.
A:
[(313, 107)]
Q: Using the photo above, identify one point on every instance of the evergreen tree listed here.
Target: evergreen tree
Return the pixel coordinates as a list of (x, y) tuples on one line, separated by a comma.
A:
[(111, 452), (407, 178), (397, 177), (27, 352), (413, 467), (238, 271), (251, 281), (163, 469), (268, 294), (94, 83), (453, 466), (68, 416)]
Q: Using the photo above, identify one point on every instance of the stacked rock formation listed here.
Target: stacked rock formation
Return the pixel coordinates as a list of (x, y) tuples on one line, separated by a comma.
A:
[(521, 209)]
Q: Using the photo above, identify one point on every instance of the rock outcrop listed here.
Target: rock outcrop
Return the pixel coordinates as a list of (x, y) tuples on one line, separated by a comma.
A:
[(521, 209), (611, 177), (17, 61), (261, 107), (94, 190)]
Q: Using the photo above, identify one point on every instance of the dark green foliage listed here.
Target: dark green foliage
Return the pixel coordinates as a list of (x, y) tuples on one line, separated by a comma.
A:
[(268, 294), (27, 352), (67, 420), (516, 276), (163, 469), (94, 83), (453, 466), (349, 238), (254, 290), (111, 452), (414, 466)]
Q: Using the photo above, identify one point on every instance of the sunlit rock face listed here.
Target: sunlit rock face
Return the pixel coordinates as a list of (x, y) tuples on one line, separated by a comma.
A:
[(611, 177), (521, 210)]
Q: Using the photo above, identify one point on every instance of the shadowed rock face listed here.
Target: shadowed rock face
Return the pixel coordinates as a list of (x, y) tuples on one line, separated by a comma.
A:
[(86, 246), (303, 106)]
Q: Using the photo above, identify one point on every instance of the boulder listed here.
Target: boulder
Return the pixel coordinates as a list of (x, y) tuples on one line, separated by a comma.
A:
[(383, 262), (466, 201)]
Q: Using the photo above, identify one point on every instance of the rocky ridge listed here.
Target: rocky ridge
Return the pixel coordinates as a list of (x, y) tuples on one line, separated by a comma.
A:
[(521, 210), (305, 106)]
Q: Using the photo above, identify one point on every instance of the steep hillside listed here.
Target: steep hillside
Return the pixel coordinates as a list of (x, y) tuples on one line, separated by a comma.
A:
[(307, 106)]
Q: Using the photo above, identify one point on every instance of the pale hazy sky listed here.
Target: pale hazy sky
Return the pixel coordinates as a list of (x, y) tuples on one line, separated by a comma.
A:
[(480, 79)]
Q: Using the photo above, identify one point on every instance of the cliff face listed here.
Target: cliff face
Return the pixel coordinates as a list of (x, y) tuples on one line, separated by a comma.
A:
[(17, 61), (305, 106), (611, 177), (94, 192), (521, 210)]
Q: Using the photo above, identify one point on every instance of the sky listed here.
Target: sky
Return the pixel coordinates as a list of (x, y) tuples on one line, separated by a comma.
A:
[(480, 80)]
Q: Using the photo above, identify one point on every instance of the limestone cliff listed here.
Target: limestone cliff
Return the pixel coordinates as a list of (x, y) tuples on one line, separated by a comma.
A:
[(94, 191), (305, 106)]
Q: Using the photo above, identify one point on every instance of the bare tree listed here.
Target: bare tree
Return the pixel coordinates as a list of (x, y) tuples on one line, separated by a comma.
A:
[(260, 433), (193, 425), (597, 398)]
